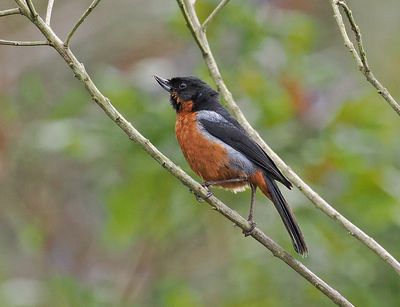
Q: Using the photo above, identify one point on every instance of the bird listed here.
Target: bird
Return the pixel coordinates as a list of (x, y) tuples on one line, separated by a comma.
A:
[(222, 153)]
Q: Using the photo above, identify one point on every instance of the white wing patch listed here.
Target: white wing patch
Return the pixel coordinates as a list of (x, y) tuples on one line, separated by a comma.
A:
[(210, 116), (237, 159)]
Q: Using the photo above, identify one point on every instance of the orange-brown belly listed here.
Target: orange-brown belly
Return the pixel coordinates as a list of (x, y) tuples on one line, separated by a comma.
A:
[(206, 158)]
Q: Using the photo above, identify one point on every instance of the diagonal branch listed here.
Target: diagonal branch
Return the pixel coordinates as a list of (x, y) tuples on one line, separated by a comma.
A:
[(8, 12), (200, 37), (219, 7), (23, 43), (81, 74), (82, 19), (50, 4), (360, 56)]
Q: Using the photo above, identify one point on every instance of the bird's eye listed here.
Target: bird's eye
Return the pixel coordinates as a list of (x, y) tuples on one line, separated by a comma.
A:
[(182, 86)]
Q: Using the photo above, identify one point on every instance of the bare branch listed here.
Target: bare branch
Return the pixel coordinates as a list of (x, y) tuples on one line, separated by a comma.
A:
[(22, 43), (219, 7), (50, 4), (357, 34), (10, 12), (360, 56), (86, 14), (32, 9), (81, 74), (194, 25)]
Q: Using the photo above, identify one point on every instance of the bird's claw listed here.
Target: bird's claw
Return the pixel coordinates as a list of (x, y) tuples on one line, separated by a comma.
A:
[(201, 198), (209, 194), (250, 231), (206, 185)]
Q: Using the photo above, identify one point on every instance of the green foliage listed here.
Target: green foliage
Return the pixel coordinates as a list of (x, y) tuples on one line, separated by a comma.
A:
[(66, 291)]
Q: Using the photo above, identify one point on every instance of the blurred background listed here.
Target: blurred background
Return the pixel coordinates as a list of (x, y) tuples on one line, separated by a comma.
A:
[(88, 219)]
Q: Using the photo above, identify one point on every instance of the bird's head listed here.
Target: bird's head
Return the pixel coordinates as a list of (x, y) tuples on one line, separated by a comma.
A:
[(188, 93)]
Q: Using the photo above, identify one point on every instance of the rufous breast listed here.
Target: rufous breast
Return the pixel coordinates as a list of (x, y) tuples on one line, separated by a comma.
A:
[(206, 157)]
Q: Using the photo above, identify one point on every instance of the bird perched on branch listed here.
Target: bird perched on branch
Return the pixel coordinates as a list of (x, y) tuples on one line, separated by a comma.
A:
[(220, 151)]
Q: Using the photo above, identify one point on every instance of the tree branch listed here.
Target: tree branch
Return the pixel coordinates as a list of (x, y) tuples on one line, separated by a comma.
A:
[(81, 74), (200, 37), (357, 34), (50, 4), (10, 12), (82, 19), (22, 43), (32, 9), (219, 7), (360, 56)]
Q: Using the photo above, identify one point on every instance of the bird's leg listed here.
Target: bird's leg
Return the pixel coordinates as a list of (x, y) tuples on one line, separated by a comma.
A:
[(207, 184), (250, 217)]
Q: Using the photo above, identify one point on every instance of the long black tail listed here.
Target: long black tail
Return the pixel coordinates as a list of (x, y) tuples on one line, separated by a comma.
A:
[(287, 217)]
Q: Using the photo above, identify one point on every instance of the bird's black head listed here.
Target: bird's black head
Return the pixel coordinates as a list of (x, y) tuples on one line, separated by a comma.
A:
[(188, 93)]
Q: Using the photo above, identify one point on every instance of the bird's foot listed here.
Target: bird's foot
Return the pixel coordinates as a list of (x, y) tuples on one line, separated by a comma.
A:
[(252, 227), (207, 184), (207, 187), (201, 198)]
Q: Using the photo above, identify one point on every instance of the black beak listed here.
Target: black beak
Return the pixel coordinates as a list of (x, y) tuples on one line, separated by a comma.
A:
[(164, 83)]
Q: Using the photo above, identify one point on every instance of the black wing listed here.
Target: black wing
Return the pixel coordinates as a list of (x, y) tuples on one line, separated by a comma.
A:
[(230, 132)]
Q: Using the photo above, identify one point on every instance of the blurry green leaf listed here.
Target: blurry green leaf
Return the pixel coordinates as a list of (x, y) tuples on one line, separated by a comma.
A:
[(71, 105), (67, 291), (31, 237)]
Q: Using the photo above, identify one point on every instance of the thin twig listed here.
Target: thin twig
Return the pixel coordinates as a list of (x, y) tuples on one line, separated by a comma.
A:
[(360, 56), (32, 9), (10, 12), (83, 17), (22, 43), (357, 33), (50, 4), (219, 7), (81, 73), (200, 37)]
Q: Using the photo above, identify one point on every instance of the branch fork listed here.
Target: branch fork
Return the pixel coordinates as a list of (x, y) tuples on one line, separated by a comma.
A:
[(360, 56)]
